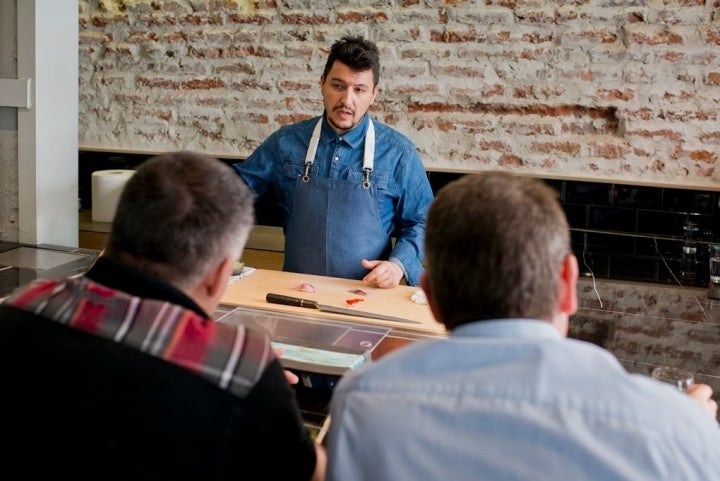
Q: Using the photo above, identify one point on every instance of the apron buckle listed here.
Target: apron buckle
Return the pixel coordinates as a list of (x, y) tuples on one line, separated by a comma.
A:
[(366, 182), (306, 175)]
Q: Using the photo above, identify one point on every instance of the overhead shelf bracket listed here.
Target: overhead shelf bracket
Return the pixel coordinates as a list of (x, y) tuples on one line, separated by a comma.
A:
[(15, 93)]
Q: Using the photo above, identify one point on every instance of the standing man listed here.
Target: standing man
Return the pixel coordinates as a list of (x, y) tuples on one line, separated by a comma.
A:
[(507, 396), (347, 184)]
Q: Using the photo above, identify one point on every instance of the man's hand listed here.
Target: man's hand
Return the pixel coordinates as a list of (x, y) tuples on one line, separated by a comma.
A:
[(291, 377), (702, 393), (383, 274)]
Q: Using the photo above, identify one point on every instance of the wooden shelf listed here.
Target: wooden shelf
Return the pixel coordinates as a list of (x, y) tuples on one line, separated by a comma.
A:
[(264, 249)]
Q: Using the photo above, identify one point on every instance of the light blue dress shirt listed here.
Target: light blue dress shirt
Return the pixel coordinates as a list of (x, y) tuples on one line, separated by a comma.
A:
[(512, 400), (404, 193)]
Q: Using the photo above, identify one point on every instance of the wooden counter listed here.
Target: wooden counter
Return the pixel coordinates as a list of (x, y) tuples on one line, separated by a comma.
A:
[(313, 391), (250, 292)]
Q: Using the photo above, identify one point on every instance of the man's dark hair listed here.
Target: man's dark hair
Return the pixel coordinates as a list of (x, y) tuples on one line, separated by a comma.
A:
[(357, 53)]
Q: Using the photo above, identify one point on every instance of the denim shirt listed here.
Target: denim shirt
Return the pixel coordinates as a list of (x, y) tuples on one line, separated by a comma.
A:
[(404, 193)]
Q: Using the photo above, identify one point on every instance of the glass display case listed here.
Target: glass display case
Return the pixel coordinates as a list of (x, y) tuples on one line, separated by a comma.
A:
[(319, 351)]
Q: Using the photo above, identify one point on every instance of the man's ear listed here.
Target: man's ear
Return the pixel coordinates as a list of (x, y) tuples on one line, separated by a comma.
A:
[(427, 288), (376, 90), (567, 297), (216, 280), (209, 290)]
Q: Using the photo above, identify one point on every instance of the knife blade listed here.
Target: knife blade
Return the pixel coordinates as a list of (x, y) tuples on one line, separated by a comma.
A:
[(309, 303)]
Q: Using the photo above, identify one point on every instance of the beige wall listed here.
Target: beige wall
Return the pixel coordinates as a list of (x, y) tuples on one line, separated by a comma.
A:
[(8, 126), (625, 91)]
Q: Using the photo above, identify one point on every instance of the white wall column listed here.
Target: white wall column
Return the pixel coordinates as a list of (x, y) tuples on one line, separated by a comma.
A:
[(48, 129)]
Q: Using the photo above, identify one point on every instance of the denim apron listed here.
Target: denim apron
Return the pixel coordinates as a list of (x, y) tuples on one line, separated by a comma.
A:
[(335, 223)]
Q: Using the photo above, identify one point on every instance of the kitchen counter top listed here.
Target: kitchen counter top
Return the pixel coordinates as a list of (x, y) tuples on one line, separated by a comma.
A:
[(22, 263), (644, 325), (397, 302)]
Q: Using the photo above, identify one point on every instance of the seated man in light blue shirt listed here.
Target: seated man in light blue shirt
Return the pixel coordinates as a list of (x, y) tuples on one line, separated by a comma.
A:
[(508, 397), (353, 191)]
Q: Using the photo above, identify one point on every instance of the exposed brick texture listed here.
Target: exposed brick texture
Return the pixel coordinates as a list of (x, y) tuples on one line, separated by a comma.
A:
[(600, 90), (646, 326)]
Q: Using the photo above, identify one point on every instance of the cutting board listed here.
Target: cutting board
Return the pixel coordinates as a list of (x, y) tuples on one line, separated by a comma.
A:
[(250, 292)]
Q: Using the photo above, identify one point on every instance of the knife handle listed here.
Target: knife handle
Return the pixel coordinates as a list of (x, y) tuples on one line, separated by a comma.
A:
[(290, 301)]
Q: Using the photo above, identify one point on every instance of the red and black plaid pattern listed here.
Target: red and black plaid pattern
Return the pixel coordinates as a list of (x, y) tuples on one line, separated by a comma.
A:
[(232, 357)]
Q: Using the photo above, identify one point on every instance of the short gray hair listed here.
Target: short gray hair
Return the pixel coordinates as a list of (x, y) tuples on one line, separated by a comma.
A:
[(494, 247), (179, 215)]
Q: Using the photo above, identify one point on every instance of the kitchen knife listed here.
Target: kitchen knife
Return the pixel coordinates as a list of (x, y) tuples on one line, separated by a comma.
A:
[(309, 303)]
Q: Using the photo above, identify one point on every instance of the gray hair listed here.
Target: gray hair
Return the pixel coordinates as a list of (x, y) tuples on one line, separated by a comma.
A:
[(179, 215), (494, 247)]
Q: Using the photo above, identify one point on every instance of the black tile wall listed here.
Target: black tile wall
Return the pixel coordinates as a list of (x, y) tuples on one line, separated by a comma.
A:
[(588, 193), (267, 211), (577, 214), (690, 202), (631, 232), (636, 197), (611, 218), (618, 231)]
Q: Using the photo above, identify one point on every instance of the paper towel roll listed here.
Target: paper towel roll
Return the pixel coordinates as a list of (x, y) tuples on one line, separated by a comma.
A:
[(107, 185)]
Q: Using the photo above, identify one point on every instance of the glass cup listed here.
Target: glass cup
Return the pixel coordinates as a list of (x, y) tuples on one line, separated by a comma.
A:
[(715, 270), (680, 378), (714, 284)]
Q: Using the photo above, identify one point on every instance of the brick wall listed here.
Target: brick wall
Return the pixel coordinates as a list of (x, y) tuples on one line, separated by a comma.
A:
[(645, 326), (605, 90)]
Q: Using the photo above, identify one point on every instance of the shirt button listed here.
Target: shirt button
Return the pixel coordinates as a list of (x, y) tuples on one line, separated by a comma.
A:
[(337, 158)]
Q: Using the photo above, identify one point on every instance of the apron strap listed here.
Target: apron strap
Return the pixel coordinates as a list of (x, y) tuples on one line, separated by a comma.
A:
[(368, 154), (312, 149)]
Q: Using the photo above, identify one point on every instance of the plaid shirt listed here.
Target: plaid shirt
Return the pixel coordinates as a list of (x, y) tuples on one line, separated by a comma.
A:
[(232, 357)]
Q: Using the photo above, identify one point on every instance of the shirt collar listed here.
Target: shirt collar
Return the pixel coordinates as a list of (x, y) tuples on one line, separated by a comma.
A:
[(115, 275), (525, 328), (354, 138)]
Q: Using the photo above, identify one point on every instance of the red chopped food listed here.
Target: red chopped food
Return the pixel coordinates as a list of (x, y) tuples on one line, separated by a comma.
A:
[(304, 287), (352, 302)]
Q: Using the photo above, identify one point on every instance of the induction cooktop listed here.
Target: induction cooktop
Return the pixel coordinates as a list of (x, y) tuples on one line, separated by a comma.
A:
[(21, 263)]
